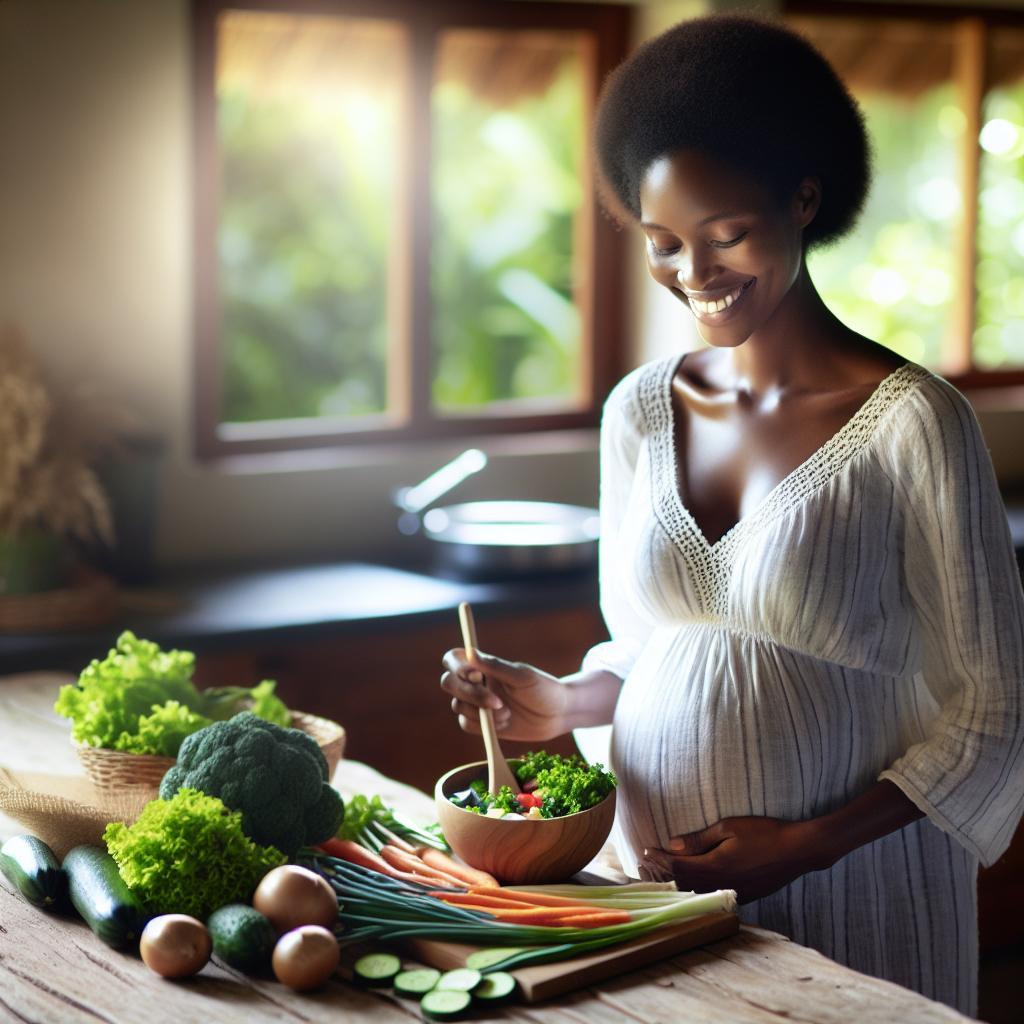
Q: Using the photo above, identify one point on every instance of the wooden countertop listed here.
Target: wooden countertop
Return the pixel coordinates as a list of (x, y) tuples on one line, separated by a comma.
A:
[(53, 969)]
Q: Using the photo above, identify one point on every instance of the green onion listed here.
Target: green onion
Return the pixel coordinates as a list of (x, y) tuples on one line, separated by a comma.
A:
[(374, 907)]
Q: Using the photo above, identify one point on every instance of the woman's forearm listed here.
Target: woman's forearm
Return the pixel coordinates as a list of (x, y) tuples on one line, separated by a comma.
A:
[(879, 810), (591, 698)]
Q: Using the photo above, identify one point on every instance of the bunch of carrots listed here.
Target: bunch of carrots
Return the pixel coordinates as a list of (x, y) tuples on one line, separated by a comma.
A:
[(382, 898), (401, 860), (470, 888)]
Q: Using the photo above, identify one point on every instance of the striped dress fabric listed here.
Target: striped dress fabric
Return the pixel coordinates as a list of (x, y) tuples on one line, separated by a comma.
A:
[(864, 622)]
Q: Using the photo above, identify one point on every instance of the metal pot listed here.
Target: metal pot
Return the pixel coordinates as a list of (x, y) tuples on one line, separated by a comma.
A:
[(497, 539)]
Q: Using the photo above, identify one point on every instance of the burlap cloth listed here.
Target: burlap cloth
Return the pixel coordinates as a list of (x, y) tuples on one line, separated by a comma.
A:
[(43, 790), (66, 810)]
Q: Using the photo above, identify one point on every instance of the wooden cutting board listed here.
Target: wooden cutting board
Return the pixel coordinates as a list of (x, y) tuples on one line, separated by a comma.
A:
[(546, 980)]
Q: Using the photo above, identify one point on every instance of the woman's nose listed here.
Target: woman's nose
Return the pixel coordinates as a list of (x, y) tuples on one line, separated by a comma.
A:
[(694, 271)]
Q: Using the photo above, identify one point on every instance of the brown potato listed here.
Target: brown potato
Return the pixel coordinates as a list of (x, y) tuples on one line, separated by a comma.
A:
[(305, 957), (175, 945), (290, 896)]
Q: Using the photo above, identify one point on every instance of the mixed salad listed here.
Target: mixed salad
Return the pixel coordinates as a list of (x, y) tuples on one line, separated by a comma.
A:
[(552, 787)]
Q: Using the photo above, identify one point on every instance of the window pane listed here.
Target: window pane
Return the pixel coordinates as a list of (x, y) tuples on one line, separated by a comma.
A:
[(999, 335), (509, 116), (892, 279), (309, 116)]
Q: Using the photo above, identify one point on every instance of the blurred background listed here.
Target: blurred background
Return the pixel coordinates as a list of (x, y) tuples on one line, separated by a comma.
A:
[(262, 265), (311, 256)]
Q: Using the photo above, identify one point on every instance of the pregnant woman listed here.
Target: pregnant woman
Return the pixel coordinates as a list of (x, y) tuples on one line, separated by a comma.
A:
[(816, 663)]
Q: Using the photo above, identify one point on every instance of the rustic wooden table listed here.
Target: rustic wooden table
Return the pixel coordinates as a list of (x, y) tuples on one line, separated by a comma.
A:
[(55, 970)]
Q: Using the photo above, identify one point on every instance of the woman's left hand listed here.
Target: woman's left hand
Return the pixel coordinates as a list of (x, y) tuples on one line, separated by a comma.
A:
[(754, 856)]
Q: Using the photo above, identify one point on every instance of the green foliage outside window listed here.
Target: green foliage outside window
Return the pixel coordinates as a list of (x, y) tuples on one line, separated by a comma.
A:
[(892, 278), (307, 236), (507, 186), (306, 218), (999, 335)]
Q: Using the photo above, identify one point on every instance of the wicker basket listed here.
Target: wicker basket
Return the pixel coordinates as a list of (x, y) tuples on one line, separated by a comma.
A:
[(328, 734), (114, 769)]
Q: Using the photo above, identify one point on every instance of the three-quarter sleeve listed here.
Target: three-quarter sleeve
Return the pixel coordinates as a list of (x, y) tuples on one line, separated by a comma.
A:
[(621, 439), (968, 773)]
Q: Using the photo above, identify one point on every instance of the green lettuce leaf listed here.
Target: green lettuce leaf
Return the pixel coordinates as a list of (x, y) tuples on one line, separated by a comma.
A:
[(189, 855), (113, 695)]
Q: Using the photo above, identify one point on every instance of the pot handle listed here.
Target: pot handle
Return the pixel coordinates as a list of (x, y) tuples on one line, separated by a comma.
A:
[(413, 500)]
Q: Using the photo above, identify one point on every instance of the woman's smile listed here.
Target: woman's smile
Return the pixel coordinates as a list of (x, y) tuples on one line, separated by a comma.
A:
[(718, 305)]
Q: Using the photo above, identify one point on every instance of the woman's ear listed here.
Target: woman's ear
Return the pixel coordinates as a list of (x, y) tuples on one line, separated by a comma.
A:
[(806, 201)]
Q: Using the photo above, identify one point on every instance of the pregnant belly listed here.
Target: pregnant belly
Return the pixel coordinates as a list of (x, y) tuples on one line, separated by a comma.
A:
[(713, 724)]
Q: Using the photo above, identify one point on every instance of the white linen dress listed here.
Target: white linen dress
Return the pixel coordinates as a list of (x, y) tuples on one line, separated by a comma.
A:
[(864, 622)]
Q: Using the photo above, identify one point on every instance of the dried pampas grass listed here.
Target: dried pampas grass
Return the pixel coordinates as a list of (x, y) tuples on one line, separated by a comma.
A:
[(49, 439)]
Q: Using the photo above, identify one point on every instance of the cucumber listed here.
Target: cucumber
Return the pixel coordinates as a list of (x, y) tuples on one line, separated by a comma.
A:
[(33, 869), (495, 987), (100, 895), (417, 982), (445, 1004), (462, 979), (242, 937), (485, 959), (377, 968)]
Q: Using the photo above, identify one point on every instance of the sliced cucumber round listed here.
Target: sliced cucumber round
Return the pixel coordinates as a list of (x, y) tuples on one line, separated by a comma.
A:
[(417, 982), (445, 1004), (377, 968), (495, 987), (462, 979)]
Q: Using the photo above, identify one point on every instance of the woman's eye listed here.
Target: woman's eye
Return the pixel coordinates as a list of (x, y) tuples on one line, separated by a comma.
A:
[(732, 241), (659, 251)]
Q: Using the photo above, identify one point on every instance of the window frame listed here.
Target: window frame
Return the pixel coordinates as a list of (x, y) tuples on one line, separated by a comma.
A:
[(603, 301), (971, 29)]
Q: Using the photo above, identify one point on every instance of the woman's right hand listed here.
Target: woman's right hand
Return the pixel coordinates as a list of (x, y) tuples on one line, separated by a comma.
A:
[(527, 704)]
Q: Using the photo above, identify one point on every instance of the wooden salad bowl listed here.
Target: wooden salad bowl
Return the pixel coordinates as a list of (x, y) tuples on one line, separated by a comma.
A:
[(516, 850)]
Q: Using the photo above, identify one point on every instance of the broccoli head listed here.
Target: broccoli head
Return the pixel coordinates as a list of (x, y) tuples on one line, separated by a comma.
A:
[(276, 778)]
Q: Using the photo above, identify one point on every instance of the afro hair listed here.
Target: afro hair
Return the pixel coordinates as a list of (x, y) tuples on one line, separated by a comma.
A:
[(749, 92)]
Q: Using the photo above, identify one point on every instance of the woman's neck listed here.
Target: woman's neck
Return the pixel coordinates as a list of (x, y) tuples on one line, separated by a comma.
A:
[(795, 350)]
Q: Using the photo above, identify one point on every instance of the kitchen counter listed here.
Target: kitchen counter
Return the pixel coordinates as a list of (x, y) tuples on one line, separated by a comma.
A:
[(54, 969), (220, 610), (216, 611)]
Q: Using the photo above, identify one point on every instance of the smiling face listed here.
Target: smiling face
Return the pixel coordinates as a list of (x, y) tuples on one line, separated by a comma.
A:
[(722, 243)]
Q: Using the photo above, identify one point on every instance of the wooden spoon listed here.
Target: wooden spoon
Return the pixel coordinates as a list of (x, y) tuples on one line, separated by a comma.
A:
[(498, 772)]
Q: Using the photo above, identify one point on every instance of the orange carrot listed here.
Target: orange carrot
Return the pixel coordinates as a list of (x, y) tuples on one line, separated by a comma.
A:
[(536, 916), (394, 840), (345, 849), (403, 861), (442, 862), (545, 915), (476, 900), (534, 899), (600, 919), (411, 876)]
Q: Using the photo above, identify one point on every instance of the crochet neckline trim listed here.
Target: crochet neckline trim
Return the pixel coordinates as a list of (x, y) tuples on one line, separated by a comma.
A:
[(711, 562)]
